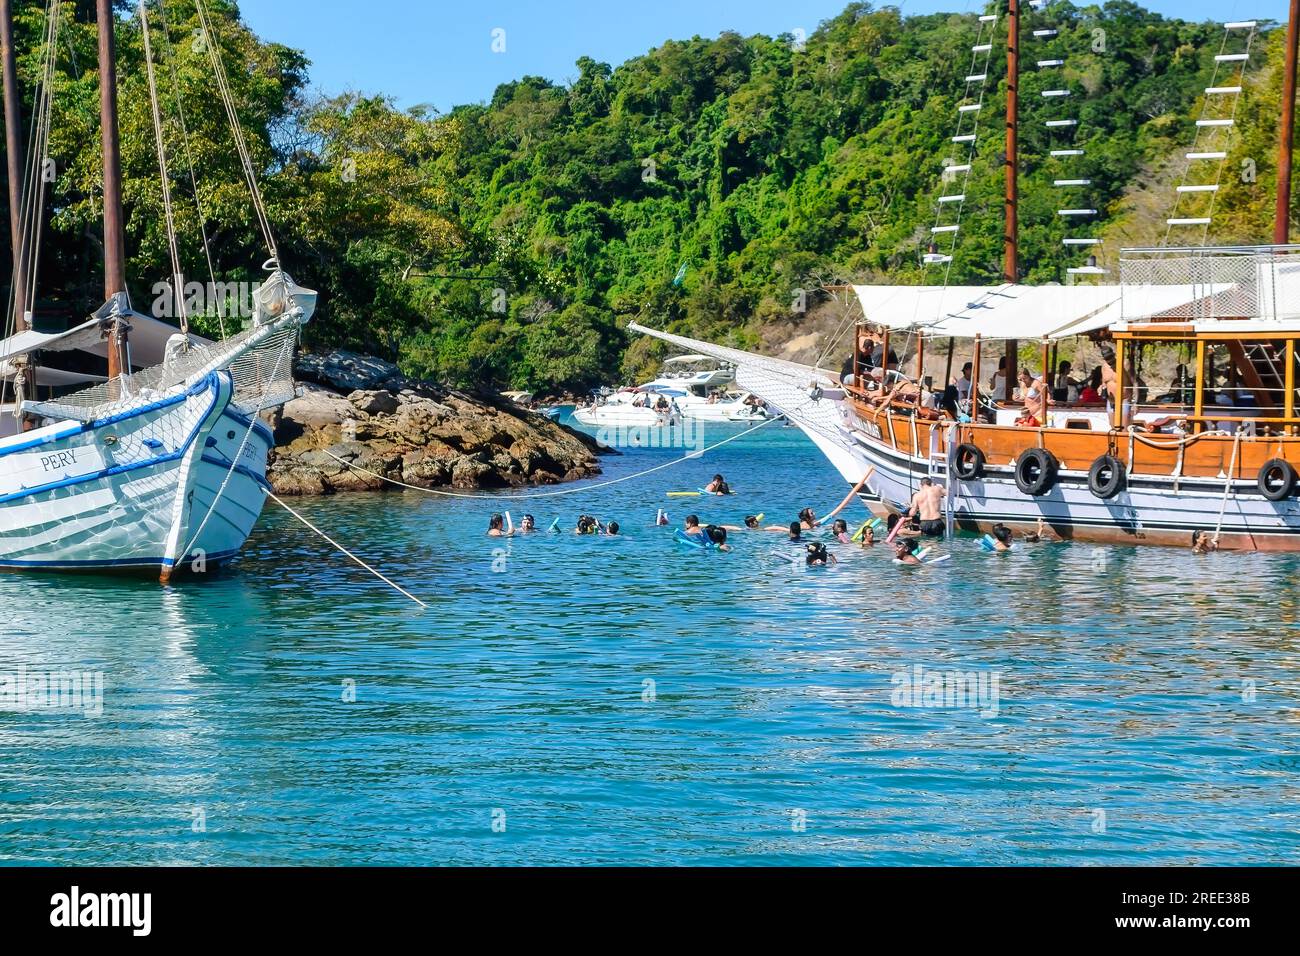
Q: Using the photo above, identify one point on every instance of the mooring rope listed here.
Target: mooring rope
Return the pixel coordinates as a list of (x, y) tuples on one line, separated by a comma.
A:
[(389, 581), (550, 494), (1227, 487)]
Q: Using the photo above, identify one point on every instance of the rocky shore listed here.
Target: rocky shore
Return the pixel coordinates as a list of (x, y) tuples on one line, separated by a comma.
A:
[(366, 412)]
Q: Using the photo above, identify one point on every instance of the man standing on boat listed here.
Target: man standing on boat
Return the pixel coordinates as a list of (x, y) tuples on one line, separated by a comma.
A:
[(927, 504)]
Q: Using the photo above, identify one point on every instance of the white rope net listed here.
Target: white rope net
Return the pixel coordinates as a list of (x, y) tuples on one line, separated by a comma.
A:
[(262, 373)]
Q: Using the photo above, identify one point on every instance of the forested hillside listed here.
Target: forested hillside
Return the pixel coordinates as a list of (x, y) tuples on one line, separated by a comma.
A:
[(701, 185)]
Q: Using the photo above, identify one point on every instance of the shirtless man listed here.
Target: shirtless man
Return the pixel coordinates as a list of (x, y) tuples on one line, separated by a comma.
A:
[(926, 505)]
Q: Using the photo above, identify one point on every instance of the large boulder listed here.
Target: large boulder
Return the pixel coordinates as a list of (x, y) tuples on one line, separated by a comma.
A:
[(386, 426)]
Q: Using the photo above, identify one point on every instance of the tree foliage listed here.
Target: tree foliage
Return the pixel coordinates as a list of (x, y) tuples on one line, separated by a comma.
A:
[(700, 186)]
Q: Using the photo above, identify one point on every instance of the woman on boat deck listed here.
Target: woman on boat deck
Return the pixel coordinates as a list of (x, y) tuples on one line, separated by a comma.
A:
[(1033, 392)]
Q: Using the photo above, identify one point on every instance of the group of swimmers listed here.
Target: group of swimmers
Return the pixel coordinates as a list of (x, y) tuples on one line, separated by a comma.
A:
[(922, 519), (501, 526)]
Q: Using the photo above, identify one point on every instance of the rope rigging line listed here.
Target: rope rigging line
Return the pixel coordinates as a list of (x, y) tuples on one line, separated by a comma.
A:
[(550, 494), (237, 131), (1227, 488), (189, 156), (178, 279), (32, 203)]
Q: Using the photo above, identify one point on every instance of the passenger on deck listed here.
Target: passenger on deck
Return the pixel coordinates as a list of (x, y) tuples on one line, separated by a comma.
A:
[(1064, 388), (963, 383), (926, 505), (998, 383), (1033, 392), (1091, 392)]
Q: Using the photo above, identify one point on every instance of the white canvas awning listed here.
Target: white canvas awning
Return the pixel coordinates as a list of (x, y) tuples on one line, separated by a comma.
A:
[(147, 340), (1017, 311)]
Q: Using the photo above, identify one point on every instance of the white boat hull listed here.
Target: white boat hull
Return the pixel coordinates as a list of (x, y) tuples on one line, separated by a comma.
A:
[(136, 490)]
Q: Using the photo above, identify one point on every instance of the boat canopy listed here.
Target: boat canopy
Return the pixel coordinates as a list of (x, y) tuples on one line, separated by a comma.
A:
[(1012, 311), (688, 359), (148, 341)]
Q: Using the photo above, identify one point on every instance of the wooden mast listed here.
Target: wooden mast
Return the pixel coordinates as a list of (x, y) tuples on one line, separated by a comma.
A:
[(114, 231), (1011, 225), (14, 154), (1282, 208)]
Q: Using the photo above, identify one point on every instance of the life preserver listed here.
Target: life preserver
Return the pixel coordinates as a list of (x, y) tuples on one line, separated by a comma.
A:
[(1036, 471), (968, 462), (1277, 479), (1106, 477)]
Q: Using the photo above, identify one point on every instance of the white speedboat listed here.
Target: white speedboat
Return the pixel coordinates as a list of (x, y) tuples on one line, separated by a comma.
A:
[(691, 387)]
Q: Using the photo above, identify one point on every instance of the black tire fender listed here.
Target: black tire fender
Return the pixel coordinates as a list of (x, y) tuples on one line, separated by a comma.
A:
[(1036, 470), (1107, 477)]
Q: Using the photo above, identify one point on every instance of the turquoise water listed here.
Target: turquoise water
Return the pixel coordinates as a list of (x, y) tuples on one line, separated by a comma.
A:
[(1127, 729)]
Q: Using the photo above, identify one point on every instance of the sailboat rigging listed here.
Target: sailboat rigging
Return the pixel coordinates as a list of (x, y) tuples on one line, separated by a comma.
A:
[(161, 463)]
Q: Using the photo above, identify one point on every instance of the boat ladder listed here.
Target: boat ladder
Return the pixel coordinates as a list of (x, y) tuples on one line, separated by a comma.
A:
[(941, 450)]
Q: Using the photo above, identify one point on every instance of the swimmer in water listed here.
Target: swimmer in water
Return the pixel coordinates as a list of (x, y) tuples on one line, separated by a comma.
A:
[(717, 536), (796, 531), (692, 528), (1001, 538), (905, 551), (611, 529), (840, 529), (497, 527), (818, 556), (661, 518), (718, 486), (527, 525), (807, 519), (586, 525), (1203, 543), (868, 537), (751, 524)]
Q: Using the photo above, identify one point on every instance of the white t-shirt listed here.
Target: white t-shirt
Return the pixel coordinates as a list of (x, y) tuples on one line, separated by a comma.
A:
[(998, 391), (963, 388)]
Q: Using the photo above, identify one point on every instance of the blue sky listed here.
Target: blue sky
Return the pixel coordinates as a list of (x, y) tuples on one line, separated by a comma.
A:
[(440, 53)]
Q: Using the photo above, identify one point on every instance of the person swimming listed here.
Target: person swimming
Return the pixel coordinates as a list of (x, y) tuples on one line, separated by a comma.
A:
[(818, 555), (796, 531), (868, 537), (1203, 543), (718, 486), (611, 529), (1001, 538), (527, 525), (807, 519), (840, 529), (497, 527), (661, 518), (586, 525), (717, 536), (905, 551)]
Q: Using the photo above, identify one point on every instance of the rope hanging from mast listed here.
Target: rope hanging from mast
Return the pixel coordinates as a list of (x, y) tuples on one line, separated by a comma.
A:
[(178, 279), (241, 142)]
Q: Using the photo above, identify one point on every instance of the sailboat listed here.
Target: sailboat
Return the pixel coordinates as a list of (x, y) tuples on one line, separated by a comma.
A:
[(160, 464), (1211, 463)]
